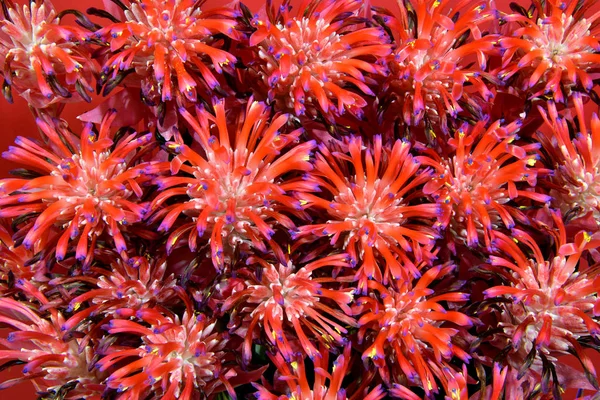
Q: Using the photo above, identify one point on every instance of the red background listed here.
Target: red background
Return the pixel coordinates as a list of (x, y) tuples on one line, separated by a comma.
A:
[(16, 120)]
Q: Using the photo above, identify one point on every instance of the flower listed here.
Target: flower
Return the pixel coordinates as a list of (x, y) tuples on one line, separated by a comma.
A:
[(477, 179), (79, 186), (120, 289), (52, 363), (18, 263), (404, 323), (234, 182), (177, 358), (309, 63), (554, 49), (549, 303), (575, 183), (326, 385), (289, 296), (429, 67), (42, 60), (369, 202), (168, 44)]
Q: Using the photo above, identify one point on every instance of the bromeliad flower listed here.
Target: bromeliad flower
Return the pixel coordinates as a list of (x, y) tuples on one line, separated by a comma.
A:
[(326, 386), (429, 68), (575, 183), (82, 186), (233, 184), (16, 262), (477, 179), (555, 48), (171, 45), (177, 359), (310, 63), (551, 303), (54, 365), (120, 289), (42, 61), (369, 202), (288, 297), (406, 325)]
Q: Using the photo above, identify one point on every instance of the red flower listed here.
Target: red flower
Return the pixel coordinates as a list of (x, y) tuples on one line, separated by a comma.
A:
[(368, 201), (43, 61), (82, 186), (550, 302), (575, 183), (554, 48), (120, 290), (308, 63), (405, 324), (15, 264), (233, 182), (52, 363), (168, 44), (288, 296), (478, 178), (326, 386), (177, 359), (429, 67)]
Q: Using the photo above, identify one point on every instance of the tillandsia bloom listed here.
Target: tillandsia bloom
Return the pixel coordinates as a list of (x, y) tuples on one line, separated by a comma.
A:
[(326, 386), (171, 46), (54, 364), (430, 65), (550, 303), (286, 297), (409, 331), (177, 358), (555, 48), (310, 63), (478, 177), (120, 289), (234, 182), (373, 204), (41, 60), (76, 187), (575, 183)]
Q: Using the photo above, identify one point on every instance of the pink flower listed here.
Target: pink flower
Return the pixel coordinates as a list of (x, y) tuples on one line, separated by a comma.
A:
[(549, 302), (80, 187), (553, 48), (54, 364), (308, 63), (287, 301), (232, 181), (409, 331), (575, 183), (326, 385), (43, 61), (368, 201), (478, 177), (429, 68), (167, 44), (177, 358)]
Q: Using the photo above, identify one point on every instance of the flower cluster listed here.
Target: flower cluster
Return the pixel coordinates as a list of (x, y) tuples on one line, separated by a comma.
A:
[(328, 201)]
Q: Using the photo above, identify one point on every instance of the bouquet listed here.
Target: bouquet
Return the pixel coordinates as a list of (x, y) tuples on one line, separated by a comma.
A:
[(320, 200)]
